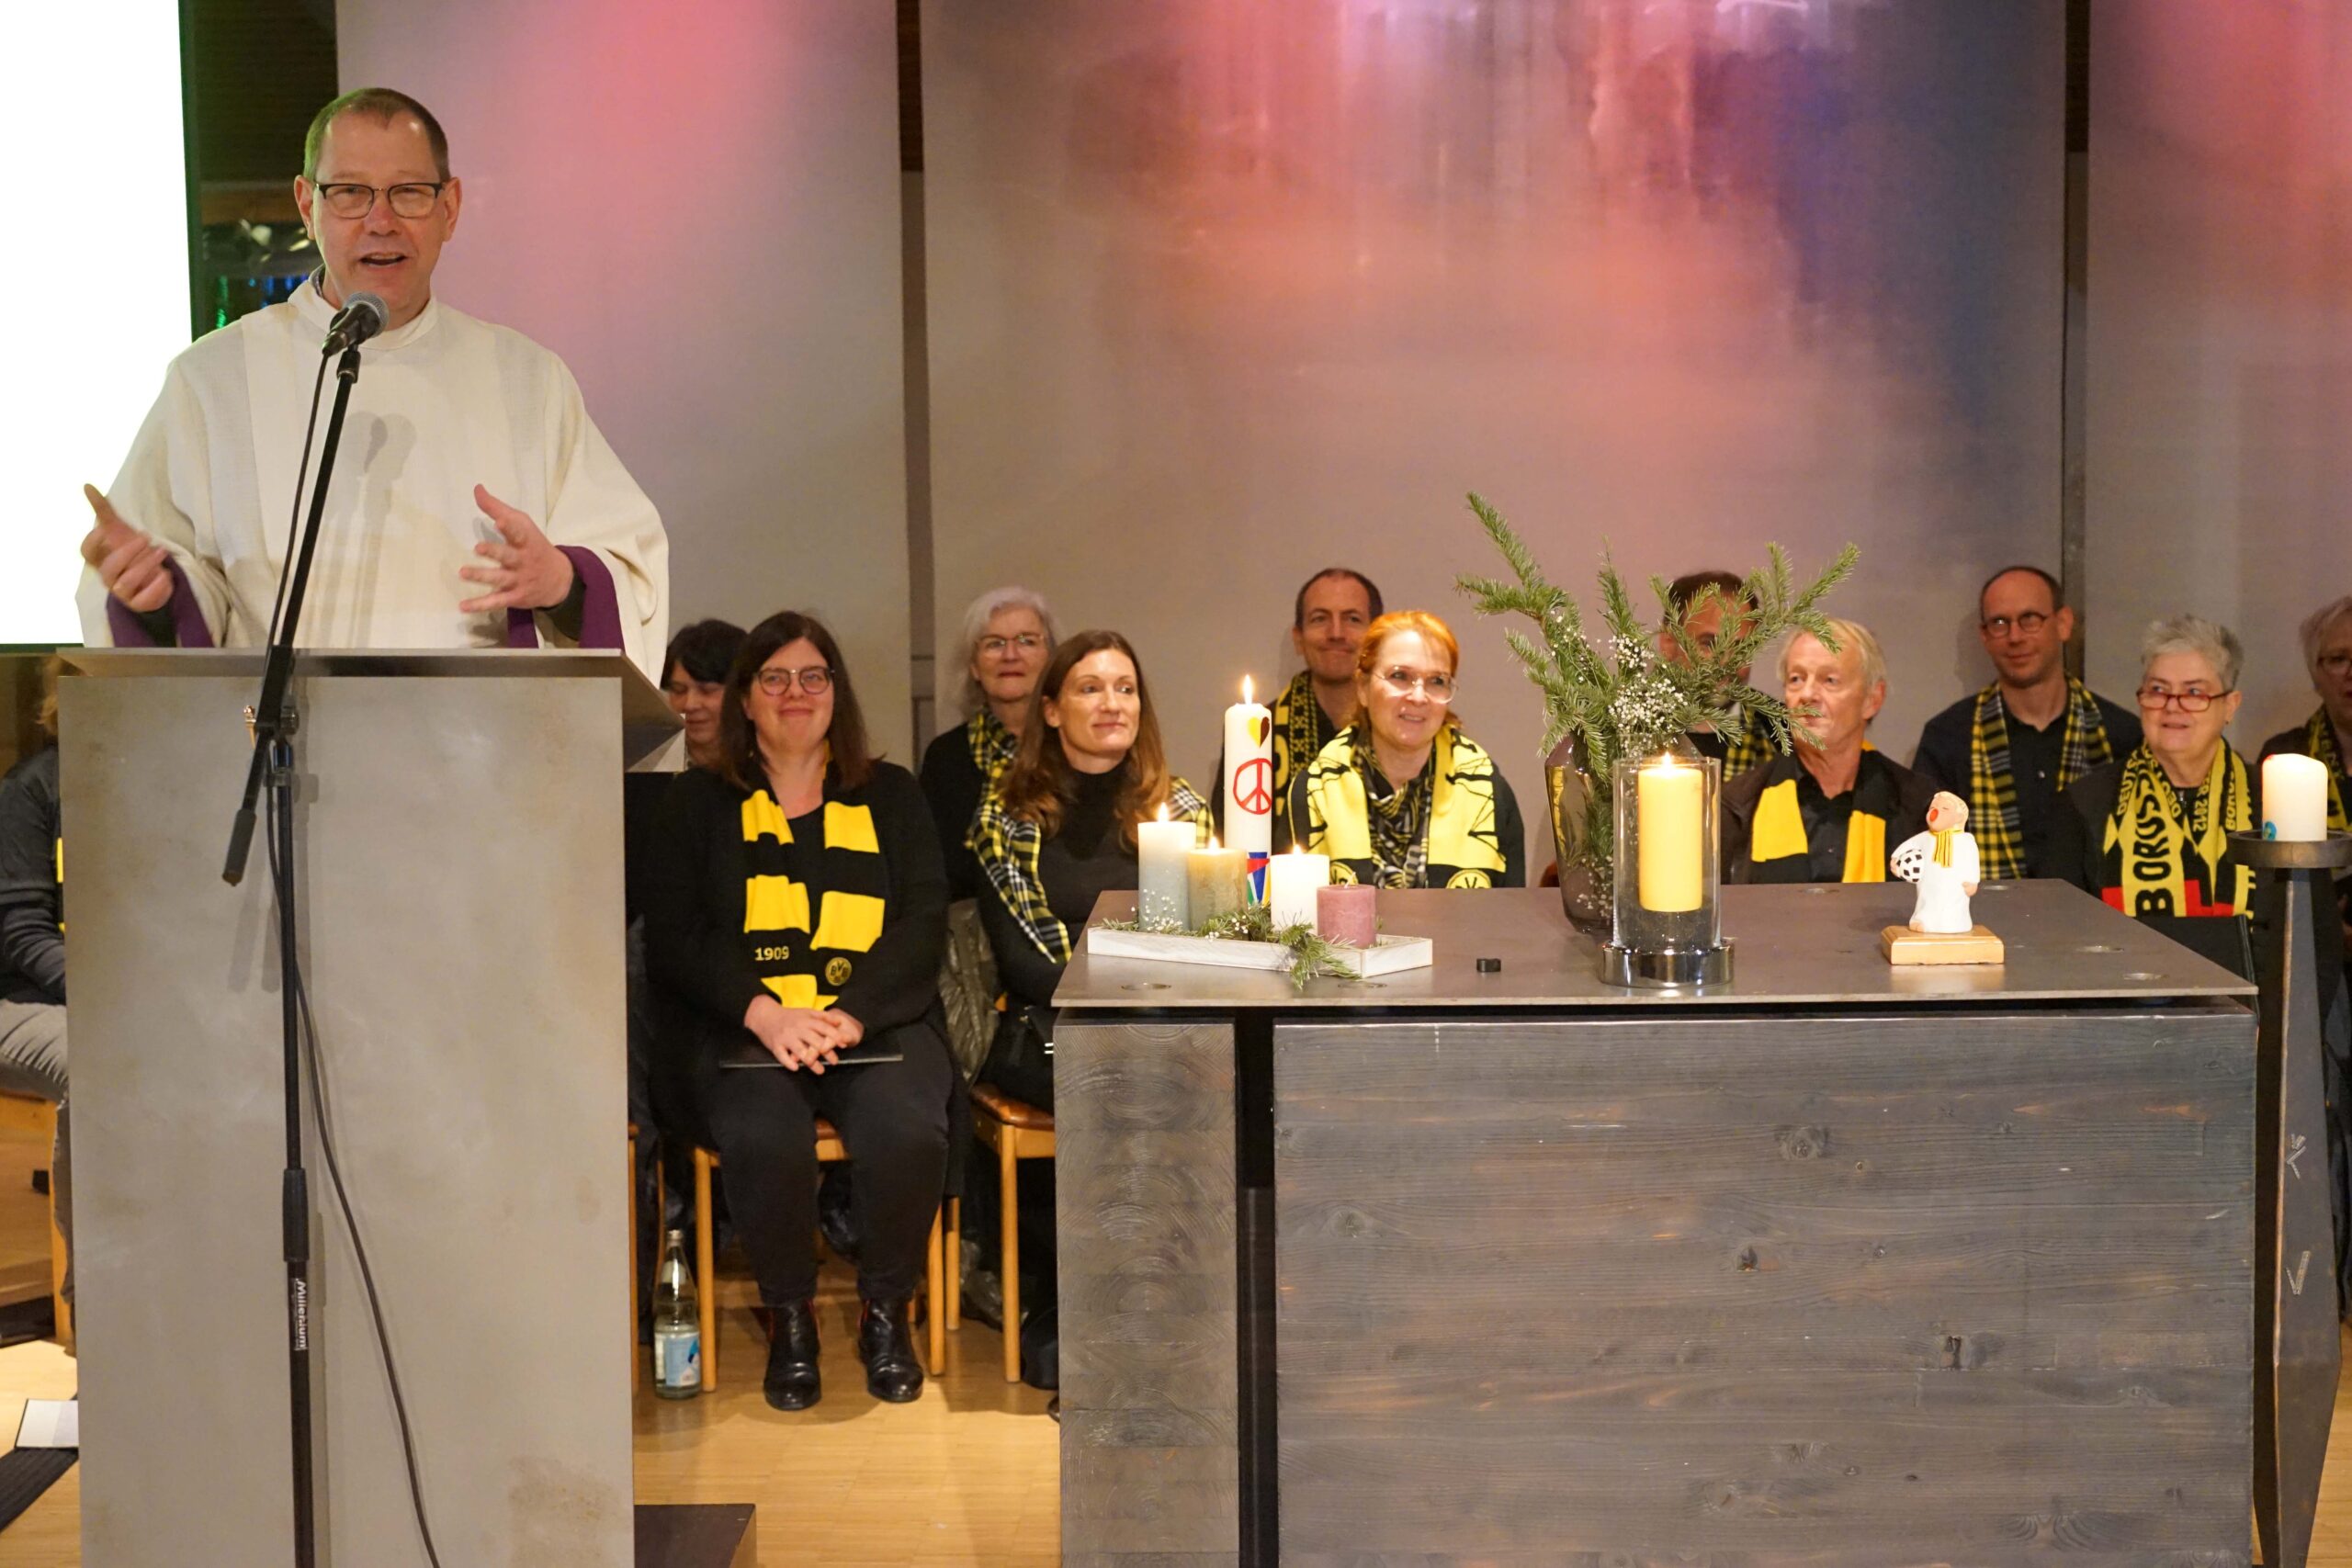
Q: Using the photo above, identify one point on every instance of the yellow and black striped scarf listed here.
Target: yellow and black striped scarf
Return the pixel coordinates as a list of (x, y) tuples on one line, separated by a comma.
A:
[(991, 744), (1008, 848), (2319, 743), (2156, 861), (1301, 731), (1780, 850), (1744, 747), (1992, 788), (1462, 845), (806, 964)]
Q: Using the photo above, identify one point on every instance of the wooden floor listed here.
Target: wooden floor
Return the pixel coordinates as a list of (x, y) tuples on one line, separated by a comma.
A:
[(965, 1474)]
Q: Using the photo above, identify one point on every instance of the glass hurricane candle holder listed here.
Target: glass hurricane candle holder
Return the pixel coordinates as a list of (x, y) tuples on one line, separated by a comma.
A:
[(1667, 919)]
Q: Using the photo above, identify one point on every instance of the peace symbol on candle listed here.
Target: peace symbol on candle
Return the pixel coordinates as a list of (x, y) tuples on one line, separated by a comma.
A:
[(1253, 785)]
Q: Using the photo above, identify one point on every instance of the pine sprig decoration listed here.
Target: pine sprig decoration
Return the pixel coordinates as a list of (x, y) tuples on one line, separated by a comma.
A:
[(1622, 698), (1312, 955)]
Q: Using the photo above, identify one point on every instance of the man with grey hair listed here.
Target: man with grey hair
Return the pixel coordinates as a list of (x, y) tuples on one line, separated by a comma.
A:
[(2327, 734), (1009, 635), (2010, 749), (475, 504), (1831, 809)]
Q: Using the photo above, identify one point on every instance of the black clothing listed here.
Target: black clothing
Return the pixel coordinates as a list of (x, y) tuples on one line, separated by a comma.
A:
[(694, 896), (32, 896), (1943, 760), (953, 784), (892, 1115), (1885, 790), (642, 797)]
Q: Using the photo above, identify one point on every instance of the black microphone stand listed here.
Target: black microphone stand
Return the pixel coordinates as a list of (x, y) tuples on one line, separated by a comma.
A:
[(274, 725)]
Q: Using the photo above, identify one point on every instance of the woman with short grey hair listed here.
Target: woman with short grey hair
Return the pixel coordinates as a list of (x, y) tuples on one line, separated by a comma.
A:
[(1008, 637), (2151, 834)]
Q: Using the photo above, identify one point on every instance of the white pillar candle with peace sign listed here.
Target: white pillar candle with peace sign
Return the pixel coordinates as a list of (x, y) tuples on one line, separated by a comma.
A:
[(1248, 786)]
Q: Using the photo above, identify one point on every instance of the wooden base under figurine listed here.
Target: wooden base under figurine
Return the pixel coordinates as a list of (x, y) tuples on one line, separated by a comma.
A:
[(1942, 864), (1905, 946)]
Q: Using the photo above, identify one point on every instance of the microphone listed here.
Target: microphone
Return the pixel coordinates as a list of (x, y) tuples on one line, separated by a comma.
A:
[(361, 317)]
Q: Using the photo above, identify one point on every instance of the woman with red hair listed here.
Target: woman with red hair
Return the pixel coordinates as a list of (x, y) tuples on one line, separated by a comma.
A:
[(1402, 797)]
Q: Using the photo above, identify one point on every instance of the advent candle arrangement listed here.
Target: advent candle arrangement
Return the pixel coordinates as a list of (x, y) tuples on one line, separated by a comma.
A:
[(1248, 785), (1162, 851), (2294, 797), (1216, 883), (1292, 881)]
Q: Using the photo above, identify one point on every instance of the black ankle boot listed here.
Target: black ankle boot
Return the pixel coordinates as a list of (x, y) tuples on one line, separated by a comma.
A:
[(792, 1381), (886, 1342)]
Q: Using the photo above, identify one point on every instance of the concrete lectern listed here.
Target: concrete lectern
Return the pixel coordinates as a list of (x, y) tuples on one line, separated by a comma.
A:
[(458, 857)]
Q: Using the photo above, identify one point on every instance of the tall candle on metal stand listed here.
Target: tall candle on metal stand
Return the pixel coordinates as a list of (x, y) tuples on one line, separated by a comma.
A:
[(2294, 797), (1249, 786), (1162, 849)]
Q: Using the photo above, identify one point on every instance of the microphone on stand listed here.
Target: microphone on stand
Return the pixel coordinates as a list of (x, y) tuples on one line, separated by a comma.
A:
[(361, 317)]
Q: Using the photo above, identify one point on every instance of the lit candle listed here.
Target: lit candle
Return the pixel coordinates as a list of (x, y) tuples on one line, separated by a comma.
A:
[(1346, 913), (1671, 835), (1162, 849), (2294, 797), (1216, 883), (1292, 882), (1248, 784)]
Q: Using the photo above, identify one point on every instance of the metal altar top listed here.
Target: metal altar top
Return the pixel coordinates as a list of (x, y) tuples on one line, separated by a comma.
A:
[(1796, 945)]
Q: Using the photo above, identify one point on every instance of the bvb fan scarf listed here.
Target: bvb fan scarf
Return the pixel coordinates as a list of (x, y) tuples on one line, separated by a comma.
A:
[(1992, 788), (2156, 860), (1780, 850), (2319, 743)]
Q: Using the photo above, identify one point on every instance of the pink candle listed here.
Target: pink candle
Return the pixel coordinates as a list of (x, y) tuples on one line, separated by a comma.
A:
[(1345, 914)]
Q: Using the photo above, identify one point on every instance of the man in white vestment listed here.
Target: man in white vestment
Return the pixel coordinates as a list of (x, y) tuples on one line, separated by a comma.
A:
[(474, 504)]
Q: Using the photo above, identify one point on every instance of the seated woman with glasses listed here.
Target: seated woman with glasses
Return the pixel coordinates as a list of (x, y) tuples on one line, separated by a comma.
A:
[(796, 922), (1402, 797), (2150, 834), (1008, 637)]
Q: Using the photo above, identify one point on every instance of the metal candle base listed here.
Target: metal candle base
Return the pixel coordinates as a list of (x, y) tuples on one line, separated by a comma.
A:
[(1666, 971)]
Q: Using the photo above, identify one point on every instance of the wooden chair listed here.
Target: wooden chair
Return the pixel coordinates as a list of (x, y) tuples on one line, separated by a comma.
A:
[(30, 1113), (1016, 1131), (943, 1260)]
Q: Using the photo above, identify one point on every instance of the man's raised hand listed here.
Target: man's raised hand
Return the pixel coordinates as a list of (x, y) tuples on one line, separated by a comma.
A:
[(527, 573), (134, 568)]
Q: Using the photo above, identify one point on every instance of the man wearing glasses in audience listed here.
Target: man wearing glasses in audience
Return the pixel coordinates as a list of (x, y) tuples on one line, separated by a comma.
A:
[(474, 504), (2011, 749)]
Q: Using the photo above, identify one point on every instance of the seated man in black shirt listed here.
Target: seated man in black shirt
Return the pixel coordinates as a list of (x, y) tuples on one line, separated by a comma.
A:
[(1832, 809), (2010, 749)]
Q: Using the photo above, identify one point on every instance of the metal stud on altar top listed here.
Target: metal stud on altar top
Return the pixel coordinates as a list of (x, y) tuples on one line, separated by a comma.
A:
[(1248, 786)]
